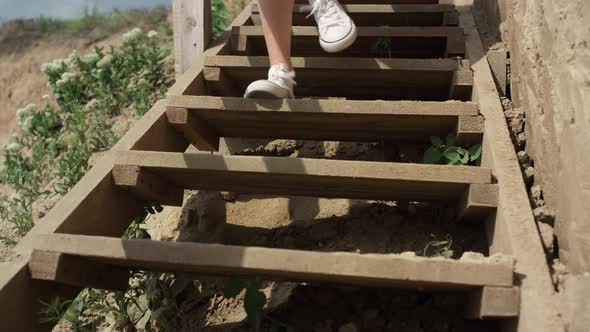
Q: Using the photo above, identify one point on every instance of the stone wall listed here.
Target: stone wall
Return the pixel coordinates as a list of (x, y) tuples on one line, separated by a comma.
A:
[(549, 44)]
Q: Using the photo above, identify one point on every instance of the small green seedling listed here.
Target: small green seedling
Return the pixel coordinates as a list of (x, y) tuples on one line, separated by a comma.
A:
[(381, 48), (447, 152), (254, 299), (254, 302), (439, 248)]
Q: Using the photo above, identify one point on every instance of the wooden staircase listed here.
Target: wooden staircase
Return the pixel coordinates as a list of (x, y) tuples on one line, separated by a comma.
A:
[(353, 96)]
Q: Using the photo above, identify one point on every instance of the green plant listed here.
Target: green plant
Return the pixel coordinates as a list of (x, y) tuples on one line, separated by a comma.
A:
[(254, 301), (134, 231), (56, 140), (381, 48), (219, 17), (100, 25), (447, 152), (7, 241), (439, 248)]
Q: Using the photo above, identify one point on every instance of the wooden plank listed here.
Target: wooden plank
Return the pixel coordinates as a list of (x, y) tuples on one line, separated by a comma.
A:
[(77, 271), (498, 62), (461, 85), (21, 296), (196, 130), (148, 186), (337, 120), (192, 81), (218, 80), (378, 79), (470, 130), (425, 65), (192, 31), (478, 201), (310, 177), (405, 270), (388, 2), (381, 14), (491, 302), (376, 8), (404, 42), (514, 228)]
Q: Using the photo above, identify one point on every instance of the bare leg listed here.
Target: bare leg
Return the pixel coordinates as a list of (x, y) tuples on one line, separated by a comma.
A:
[(277, 20)]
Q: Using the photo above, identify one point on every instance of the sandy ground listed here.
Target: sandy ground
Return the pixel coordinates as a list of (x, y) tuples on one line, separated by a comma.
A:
[(310, 223)]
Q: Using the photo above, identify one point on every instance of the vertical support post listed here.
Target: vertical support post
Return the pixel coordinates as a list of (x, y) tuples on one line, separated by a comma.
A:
[(192, 31)]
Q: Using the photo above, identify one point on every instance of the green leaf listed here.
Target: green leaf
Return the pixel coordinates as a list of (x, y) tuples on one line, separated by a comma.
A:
[(234, 287), (142, 323), (475, 152), (74, 310), (464, 156), (447, 253), (436, 141), (452, 153), (432, 155), (254, 302), (451, 140)]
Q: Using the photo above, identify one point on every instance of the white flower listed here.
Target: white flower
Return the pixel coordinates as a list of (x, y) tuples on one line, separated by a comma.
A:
[(23, 113), (67, 76), (104, 62), (13, 147), (152, 34), (132, 35), (92, 58), (71, 59), (70, 139), (27, 125), (54, 66)]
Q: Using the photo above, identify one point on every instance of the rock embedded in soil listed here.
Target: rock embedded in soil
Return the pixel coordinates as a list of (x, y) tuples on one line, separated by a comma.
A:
[(521, 141), (537, 196), (42, 206), (529, 175), (544, 215), (547, 236), (524, 159)]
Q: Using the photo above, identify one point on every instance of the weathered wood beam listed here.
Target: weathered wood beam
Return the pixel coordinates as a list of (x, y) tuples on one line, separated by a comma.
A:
[(391, 270), (310, 177)]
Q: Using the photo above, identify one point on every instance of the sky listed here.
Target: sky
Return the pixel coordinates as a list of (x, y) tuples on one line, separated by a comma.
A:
[(11, 9)]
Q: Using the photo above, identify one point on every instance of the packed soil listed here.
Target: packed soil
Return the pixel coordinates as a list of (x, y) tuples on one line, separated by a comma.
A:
[(318, 224)]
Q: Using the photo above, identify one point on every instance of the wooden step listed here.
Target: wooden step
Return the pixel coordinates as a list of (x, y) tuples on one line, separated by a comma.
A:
[(383, 270), (387, 2), (295, 176), (401, 42), (381, 15), (203, 120), (352, 78)]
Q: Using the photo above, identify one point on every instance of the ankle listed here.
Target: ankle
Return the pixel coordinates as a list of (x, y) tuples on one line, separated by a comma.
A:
[(285, 65)]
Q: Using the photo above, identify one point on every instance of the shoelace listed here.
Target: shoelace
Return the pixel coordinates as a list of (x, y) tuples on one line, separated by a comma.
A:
[(280, 72), (328, 12)]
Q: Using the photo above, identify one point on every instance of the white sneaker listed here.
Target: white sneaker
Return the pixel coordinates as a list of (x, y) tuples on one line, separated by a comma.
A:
[(337, 30), (279, 84)]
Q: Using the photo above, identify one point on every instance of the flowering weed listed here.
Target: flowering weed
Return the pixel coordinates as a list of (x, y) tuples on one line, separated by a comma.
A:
[(55, 142)]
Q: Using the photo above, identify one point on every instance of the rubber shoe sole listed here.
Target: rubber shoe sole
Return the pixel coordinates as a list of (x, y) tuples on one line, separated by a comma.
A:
[(267, 90), (342, 44)]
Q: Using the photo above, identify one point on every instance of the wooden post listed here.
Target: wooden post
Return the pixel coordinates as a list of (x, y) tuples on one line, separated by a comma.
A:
[(192, 31)]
